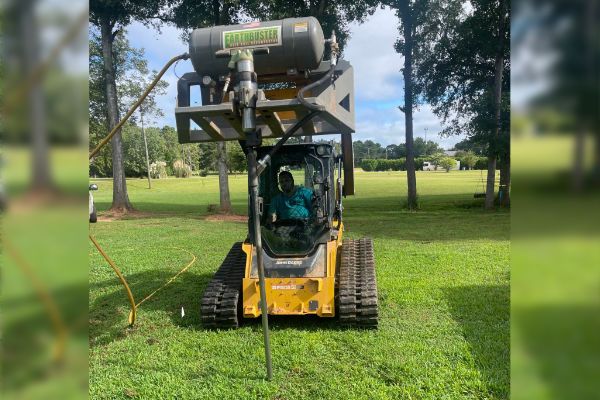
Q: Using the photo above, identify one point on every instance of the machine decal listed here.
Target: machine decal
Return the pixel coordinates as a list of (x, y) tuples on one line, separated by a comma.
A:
[(301, 27), (268, 36), (287, 287)]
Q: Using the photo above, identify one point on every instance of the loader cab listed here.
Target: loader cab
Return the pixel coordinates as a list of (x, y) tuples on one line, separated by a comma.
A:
[(312, 167)]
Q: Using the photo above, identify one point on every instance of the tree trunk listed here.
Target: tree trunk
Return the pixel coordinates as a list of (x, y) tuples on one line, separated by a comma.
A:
[(146, 148), (120, 198), (225, 200), (411, 176), (42, 180), (493, 148)]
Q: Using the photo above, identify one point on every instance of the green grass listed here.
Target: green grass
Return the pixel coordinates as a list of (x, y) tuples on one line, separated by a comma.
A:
[(443, 279)]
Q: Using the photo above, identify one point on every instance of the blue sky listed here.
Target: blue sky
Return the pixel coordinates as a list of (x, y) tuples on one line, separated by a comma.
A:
[(377, 79)]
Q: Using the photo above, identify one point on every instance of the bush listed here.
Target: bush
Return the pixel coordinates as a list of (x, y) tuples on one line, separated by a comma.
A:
[(368, 165), (467, 159), (481, 163), (158, 170), (447, 163), (398, 164), (181, 169), (419, 163)]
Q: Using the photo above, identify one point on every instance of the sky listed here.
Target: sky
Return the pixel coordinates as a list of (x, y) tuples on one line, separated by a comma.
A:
[(377, 78)]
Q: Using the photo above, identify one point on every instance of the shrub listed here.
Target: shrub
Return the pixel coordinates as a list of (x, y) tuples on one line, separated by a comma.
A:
[(419, 163), (447, 163), (368, 165), (158, 170), (468, 159), (181, 169)]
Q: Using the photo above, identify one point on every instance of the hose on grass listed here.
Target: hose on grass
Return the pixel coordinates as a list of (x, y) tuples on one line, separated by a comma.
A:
[(93, 153), (132, 303), (132, 313), (46, 298), (172, 278)]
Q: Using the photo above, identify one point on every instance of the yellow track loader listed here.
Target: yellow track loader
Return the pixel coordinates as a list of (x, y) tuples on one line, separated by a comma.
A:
[(268, 80)]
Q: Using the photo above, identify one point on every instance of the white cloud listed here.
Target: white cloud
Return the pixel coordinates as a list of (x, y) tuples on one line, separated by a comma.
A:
[(371, 52)]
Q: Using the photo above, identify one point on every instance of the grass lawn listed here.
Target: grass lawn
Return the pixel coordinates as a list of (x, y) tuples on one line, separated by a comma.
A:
[(443, 279)]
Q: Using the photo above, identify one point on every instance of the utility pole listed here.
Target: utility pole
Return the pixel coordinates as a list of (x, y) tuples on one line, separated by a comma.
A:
[(146, 146)]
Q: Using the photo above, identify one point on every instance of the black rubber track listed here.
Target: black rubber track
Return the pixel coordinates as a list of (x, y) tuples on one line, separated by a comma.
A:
[(221, 302), (357, 286)]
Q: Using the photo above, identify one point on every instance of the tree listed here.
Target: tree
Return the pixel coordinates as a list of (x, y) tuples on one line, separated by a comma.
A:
[(423, 148), (198, 14), (132, 88), (236, 159), (469, 159), (470, 145), (447, 163), (134, 150), (436, 159), (172, 150), (462, 76), (408, 14), (207, 157), (111, 17), (569, 101), (333, 15)]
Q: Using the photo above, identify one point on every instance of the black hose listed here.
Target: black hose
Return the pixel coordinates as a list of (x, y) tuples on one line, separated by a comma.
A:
[(300, 95)]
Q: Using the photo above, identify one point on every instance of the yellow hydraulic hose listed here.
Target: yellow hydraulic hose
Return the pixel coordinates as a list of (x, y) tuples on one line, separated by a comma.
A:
[(121, 277), (104, 142), (46, 298), (170, 280)]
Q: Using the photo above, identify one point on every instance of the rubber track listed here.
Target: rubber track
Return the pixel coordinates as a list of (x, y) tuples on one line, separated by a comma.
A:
[(221, 300), (357, 285)]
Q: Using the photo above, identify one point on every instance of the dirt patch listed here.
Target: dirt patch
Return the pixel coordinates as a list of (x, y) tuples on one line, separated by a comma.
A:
[(227, 218), (109, 216)]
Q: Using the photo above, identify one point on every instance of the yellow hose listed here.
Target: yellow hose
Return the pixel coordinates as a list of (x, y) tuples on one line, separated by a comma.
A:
[(46, 298), (133, 305), (132, 313), (170, 280), (121, 277)]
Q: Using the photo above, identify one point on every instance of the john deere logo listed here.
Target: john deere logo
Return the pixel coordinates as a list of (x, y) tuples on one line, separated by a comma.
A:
[(269, 36)]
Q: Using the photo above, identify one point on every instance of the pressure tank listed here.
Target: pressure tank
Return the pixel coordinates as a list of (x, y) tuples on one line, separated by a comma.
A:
[(294, 43)]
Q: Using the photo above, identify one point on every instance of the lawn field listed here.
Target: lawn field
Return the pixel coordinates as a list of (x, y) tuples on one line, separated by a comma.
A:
[(443, 278)]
